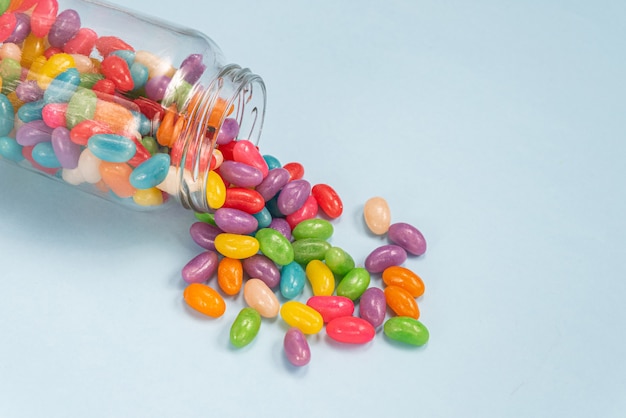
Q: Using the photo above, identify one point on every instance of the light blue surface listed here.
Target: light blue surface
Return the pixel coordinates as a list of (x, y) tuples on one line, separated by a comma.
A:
[(496, 128)]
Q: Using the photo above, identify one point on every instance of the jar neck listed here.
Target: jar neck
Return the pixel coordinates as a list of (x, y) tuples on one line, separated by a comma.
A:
[(234, 93)]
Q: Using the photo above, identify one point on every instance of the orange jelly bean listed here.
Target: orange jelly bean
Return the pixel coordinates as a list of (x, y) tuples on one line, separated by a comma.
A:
[(230, 275), (401, 302), (116, 176), (404, 278), (204, 299)]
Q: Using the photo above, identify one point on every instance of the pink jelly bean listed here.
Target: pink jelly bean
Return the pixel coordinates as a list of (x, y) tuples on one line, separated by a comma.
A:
[(385, 256), (43, 17), (373, 306), (7, 25), (296, 348), (350, 330), (293, 195), (53, 114), (82, 42), (65, 150), (116, 69), (331, 307), (64, 28), (245, 151), (200, 268), (307, 211)]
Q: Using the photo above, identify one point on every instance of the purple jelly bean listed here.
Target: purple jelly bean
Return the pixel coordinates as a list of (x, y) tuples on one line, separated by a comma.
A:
[(29, 91), (192, 68), (200, 268), (64, 28), (22, 28), (407, 237), (66, 151), (204, 234), (273, 182), (386, 256), (282, 226), (241, 174), (260, 267), (32, 133), (296, 348), (228, 131), (373, 306), (156, 87), (235, 221), (293, 196)]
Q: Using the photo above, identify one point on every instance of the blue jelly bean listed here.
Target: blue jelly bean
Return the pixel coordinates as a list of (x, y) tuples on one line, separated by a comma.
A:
[(10, 149), (272, 162), (264, 218), (112, 148), (272, 207), (139, 74), (151, 172), (31, 111), (62, 87), (44, 155), (144, 126), (128, 56), (7, 115), (292, 280)]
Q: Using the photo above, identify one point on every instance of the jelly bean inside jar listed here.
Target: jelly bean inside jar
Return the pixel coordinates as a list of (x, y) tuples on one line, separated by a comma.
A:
[(134, 92)]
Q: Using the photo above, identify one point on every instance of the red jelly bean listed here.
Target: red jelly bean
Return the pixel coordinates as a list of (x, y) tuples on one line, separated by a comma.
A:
[(43, 17), (246, 152), (84, 130), (350, 330), (104, 86), (53, 114), (328, 200), (331, 307), (7, 24), (141, 154), (26, 5), (296, 170), (116, 69), (107, 44), (307, 211), (227, 150), (150, 108), (247, 200), (51, 52), (82, 42)]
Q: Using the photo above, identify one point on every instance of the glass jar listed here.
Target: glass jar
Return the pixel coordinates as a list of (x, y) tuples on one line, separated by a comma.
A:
[(116, 103)]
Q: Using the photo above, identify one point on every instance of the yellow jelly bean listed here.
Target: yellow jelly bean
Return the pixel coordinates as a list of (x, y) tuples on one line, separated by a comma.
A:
[(301, 316), (236, 246), (148, 197), (53, 67), (204, 299), (321, 278), (33, 72), (32, 48), (215, 190)]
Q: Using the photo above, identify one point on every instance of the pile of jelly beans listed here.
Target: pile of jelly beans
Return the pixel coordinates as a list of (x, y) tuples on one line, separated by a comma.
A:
[(269, 238)]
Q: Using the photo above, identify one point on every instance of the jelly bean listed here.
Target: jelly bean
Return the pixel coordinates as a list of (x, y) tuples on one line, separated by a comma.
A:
[(272, 162), (235, 221), (264, 218), (328, 200), (245, 151), (10, 149), (354, 283), (240, 174), (118, 117), (27, 153), (31, 111), (10, 72), (21, 29), (72, 176), (338, 261), (408, 237), (350, 330), (292, 280), (373, 306), (192, 68), (309, 249), (245, 327), (82, 42), (156, 87), (32, 50), (260, 267), (313, 228), (24, 6), (112, 148), (148, 197), (282, 226), (377, 215), (385, 256), (321, 278), (89, 80), (296, 348), (62, 87), (404, 278), (115, 176), (200, 268), (89, 166), (4, 5), (107, 44), (406, 330), (230, 275), (293, 195), (105, 86), (6, 116), (401, 302), (296, 170), (126, 55), (331, 307), (84, 130), (32, 133), (228, 131), (247, 200), (301, 316), (43, 154), (43, 17), (205, 217), (273, 182), (215, 190), (64, 28), (260, 297), (66, 151), (139, 74), (29, 91), (236, 246), (150, 144), (116, 69), (83, 64), (82, 106), (53, 114), (156, 65), (204, 299), (275, 246), (151, 172), (204, 234), (8, 22), (11, 51), (307, 211)]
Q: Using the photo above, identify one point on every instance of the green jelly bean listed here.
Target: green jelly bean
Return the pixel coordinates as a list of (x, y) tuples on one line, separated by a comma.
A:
[(87, 80), (406, 330), (308, 249), (4, 5), (10, 71), (82, 106), (245, 327), (275, 246), (339, 261), (206, 217), (181, 94), (354, 283), (313, 228), (150, 144)]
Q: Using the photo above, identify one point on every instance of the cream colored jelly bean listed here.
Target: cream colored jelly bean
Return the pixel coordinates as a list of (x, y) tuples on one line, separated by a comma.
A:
[(377, 215)]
